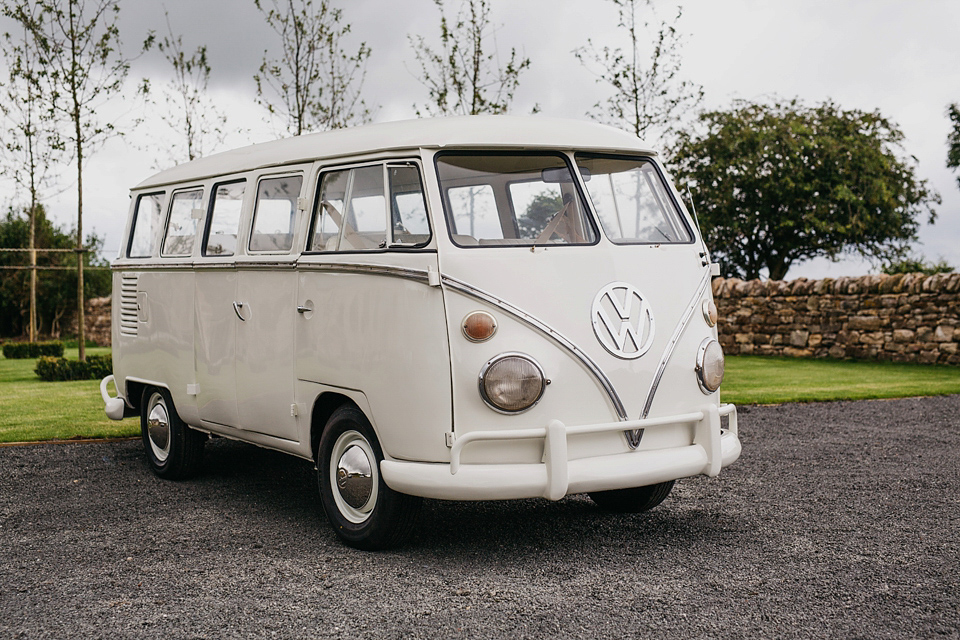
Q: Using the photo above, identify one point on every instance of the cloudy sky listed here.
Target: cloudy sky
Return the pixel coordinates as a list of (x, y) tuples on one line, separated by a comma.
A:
[(902, 58)]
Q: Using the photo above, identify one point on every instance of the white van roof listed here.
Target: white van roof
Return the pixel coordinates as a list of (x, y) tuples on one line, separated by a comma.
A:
[(535, 132)]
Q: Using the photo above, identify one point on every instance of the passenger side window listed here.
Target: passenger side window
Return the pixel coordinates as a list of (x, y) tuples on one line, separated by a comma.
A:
[(146, 226), (185, 211), (224, 219), (354, 207), (274, 219)]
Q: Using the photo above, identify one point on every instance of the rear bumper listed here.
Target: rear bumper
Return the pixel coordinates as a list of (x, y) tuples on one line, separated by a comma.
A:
[(712, 449)]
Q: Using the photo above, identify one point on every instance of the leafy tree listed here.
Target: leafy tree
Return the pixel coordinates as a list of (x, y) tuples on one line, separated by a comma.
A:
[(78, 44), (57, 284), (465, 76), (188, 111), (917, 265), (953, 140), (315, 85), (30, 146), (648, 96), (782, 183), (542, 208)]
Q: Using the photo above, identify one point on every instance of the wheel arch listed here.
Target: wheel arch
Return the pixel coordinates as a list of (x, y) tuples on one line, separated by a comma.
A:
[(323, 407)]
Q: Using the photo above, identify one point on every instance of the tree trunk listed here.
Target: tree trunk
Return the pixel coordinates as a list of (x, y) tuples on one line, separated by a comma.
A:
[(81, 332), (32, 322)]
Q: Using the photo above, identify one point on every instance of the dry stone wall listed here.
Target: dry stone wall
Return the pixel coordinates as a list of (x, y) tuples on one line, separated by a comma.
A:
[(902, 318), (96, 319)]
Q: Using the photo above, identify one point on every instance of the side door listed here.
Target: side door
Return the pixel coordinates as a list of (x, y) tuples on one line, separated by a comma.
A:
[(215, 331), (267, 303)]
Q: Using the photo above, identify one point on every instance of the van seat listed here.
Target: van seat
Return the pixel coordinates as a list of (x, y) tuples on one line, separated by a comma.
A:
[(465, 240)]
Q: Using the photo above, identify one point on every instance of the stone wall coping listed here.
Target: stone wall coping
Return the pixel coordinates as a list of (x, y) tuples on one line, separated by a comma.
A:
[(879, 284)]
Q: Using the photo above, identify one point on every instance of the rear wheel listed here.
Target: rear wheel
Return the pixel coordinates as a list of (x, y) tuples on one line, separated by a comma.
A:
[(364, 512), (174, 450), (632, 500)]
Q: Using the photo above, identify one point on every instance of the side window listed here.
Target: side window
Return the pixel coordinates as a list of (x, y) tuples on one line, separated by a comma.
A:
[(275, 216), (354, 207), (185, 210), (224, 221), (408, 209), (146, 226)]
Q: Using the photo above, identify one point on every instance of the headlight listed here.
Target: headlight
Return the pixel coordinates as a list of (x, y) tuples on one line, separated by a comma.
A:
[(511, 382), (709, 365)]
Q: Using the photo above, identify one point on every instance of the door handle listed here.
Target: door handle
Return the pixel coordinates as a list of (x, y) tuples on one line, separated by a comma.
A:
[(236, 309), (304, 309)]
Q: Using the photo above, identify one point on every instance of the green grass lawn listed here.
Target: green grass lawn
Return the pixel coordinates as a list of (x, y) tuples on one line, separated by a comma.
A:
[(772, 380), (31, 409)]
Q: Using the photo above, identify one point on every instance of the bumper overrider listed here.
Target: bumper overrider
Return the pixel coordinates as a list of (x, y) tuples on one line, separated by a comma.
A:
[(713, 448)]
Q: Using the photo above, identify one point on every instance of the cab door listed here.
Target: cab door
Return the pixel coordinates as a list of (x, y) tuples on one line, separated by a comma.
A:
[(267, 302)]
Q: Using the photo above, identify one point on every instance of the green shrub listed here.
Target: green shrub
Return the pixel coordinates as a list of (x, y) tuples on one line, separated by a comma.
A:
[(23, 350), (73, 343), (56, 369)]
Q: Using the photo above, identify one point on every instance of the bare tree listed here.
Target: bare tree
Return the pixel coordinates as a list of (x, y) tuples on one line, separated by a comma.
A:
[(465, 75), (189, 112), (315, 84), (78, 43), (30, 146), (648, 96)]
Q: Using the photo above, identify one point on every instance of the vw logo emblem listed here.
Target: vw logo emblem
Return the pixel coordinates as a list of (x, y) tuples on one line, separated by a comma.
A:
[(622, 320)]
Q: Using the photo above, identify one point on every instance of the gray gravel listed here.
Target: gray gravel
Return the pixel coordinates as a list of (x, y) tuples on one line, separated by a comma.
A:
[(840, 520)]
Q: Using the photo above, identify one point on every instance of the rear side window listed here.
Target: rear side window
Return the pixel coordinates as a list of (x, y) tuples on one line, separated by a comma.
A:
[(147, 220), (370, 208), (185, 212), (224, 222), (275, 216)]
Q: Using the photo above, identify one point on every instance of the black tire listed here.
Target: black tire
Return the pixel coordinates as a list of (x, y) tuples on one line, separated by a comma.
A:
[(174, 450), (632, 500), (363, 511)]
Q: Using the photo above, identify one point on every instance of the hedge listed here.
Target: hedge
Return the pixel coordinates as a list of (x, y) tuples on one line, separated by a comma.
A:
[(54, 369), (24, 350)]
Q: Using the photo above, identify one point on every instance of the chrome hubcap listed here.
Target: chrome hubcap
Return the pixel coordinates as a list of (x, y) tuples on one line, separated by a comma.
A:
[(354, 476), (158, 428)]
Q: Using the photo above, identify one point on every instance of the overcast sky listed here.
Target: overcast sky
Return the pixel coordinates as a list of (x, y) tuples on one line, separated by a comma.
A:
[(902, 58)]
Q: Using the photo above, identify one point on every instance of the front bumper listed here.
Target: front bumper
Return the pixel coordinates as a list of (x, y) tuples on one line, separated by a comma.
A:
[(713, 448)]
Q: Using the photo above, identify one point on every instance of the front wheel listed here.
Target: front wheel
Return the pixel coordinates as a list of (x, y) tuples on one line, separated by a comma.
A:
[(632, 500), (174, 450), (363, 510)]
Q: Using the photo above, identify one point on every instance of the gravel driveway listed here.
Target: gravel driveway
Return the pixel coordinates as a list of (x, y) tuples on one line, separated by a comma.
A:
[(839, 520)]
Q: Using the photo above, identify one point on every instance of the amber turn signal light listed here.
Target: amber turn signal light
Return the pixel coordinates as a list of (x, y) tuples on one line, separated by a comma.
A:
[(479, 326)]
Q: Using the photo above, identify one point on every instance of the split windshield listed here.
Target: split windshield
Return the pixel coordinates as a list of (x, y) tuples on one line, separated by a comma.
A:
[(526, 199), (632, 200)]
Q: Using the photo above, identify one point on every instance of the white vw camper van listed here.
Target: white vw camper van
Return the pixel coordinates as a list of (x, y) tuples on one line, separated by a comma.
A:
[(471, 308)]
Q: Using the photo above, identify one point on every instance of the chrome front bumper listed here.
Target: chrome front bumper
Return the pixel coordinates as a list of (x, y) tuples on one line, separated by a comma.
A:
[(712, 449)]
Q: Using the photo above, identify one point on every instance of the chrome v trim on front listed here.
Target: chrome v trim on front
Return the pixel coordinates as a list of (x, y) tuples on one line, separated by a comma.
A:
[(633, 437), (547, 330)]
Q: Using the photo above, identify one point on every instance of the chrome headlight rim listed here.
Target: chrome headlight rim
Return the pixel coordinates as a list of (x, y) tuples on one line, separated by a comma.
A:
[(701, 363), (499, 358)]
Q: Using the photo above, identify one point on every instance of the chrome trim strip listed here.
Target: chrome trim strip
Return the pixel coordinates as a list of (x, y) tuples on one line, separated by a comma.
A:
[(418, 275), (207, 266), (547, 330), (674, 339)]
